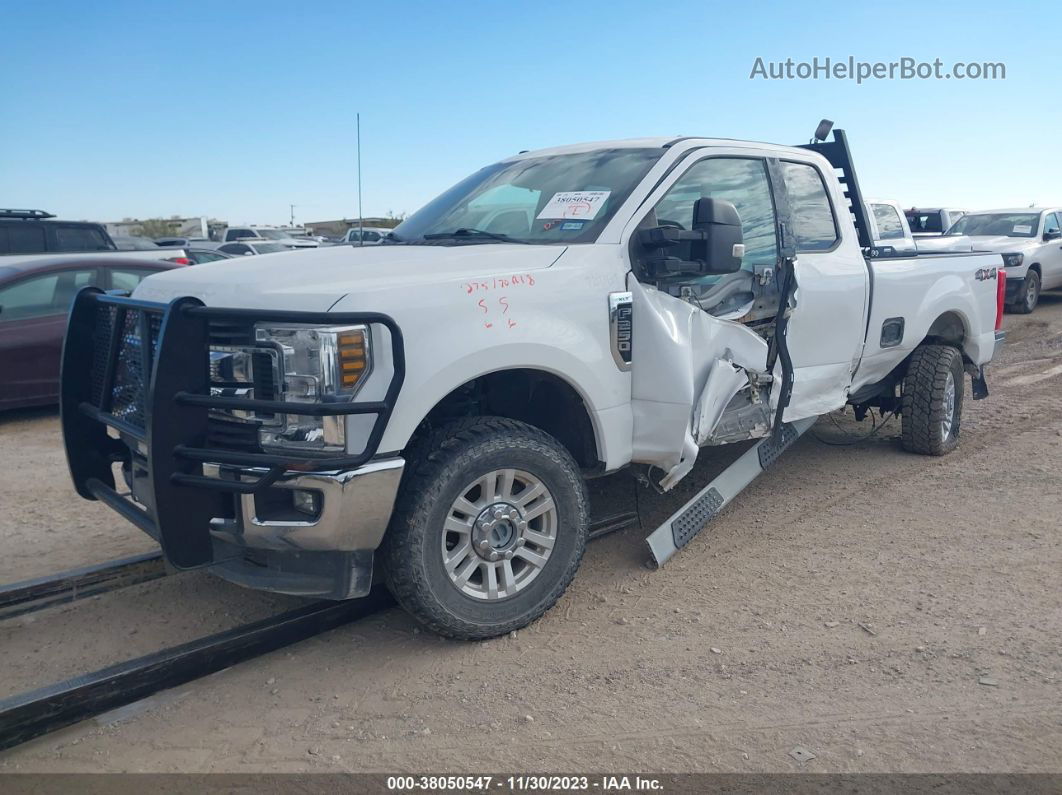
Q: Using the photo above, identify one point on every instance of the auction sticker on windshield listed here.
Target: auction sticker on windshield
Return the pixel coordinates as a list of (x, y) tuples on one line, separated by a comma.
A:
[(584, 204), (1022, 229)]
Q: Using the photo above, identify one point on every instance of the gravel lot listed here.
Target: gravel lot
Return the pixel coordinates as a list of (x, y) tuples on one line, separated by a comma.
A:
[(887, 612)]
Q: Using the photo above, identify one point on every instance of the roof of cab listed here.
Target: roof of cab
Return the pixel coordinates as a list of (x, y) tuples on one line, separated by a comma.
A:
[(687, 142)]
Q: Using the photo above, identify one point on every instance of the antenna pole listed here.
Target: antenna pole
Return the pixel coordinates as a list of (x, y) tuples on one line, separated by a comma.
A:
[(361, 215)]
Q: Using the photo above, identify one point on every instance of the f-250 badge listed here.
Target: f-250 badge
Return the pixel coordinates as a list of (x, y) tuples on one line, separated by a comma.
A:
[(621, 326), (984, 274)]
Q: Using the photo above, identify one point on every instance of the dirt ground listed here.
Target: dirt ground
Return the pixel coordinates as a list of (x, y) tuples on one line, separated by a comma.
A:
[(887, 612)]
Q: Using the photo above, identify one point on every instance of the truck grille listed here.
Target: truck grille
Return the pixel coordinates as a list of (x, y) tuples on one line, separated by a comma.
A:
[(130, 357)]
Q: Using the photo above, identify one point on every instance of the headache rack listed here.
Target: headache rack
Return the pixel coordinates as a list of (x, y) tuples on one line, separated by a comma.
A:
[(141, 371), (840, 157)]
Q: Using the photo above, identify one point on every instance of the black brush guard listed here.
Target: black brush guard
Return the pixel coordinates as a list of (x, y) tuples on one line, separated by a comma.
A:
[(156, 394)]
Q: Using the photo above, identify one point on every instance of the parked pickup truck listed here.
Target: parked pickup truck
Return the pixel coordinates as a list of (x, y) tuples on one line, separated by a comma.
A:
[(430, 407), (932, 221), (1030, 240)]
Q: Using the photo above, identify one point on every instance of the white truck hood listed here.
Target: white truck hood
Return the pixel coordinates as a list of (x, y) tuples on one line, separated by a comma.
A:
[(313, 280)]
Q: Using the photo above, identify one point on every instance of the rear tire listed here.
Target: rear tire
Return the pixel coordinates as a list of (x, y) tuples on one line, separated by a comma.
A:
[(1028, 295), (489, 528), (931, 400)]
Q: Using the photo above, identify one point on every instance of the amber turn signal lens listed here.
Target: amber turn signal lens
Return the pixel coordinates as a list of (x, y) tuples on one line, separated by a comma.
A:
[(352, 359)]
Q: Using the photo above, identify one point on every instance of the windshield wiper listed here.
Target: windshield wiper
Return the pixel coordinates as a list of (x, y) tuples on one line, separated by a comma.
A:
[(472, 233)]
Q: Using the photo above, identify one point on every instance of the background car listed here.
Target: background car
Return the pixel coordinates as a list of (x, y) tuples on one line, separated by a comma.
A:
[(37, 232), (131, 243), (35, 298), (1030, 240), (200, 255), (366, 236), (264, 233), (181, 242), (248, 247)]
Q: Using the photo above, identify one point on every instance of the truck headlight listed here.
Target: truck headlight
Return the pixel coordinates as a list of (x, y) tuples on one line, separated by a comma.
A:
[(1013, 260), (316, 364)]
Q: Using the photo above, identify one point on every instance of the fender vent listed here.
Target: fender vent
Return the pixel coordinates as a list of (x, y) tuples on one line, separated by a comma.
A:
[(694, 518)]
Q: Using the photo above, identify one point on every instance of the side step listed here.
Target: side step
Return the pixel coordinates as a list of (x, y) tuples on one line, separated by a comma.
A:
[(691, 518)]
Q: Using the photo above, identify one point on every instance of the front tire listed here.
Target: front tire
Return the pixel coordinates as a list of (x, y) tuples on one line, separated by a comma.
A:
[(931, 400), (1028, 295), (489, 528)]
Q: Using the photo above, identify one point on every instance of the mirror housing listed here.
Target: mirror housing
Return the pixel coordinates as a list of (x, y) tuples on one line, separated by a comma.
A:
[(718, 221), (713, 247), (1052, 235)]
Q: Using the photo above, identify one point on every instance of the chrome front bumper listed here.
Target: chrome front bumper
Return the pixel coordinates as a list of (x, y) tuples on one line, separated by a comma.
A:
[(355, 508)]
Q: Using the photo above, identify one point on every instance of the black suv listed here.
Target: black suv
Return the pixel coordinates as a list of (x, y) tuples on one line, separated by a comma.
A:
[(33, 232)]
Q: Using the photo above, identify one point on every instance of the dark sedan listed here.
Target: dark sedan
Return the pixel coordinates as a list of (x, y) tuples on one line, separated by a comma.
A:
[(35, 297)]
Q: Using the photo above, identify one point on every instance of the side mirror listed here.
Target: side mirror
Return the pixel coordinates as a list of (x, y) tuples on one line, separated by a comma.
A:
[(1052, 235), (713, 247), (720, 224)]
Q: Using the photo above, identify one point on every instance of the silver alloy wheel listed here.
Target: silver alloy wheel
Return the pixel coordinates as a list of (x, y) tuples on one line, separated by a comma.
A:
[(499, 534), (949, 408), (1030, 295)]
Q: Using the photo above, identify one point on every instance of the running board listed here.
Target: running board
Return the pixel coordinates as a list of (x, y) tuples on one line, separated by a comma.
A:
[(681, 527)]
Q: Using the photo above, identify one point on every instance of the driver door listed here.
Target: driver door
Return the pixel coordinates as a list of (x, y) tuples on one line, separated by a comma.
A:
[(694, 333)]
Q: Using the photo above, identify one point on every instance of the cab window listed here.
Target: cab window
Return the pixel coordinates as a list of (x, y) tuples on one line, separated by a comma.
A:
[(888, 221), (741, 181), (1051, 223), (814, 225)]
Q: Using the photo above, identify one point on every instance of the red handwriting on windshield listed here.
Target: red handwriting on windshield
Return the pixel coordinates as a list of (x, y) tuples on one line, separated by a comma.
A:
[(496, 309)]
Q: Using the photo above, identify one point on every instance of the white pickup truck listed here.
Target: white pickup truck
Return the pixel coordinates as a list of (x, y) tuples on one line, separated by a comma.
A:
[(430, 407)]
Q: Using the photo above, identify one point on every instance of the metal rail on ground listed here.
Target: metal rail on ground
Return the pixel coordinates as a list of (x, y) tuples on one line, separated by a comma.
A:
[(38, 712), (27, 596)]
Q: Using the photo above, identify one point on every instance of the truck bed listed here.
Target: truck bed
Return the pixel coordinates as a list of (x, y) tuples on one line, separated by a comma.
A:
[(908, 296)]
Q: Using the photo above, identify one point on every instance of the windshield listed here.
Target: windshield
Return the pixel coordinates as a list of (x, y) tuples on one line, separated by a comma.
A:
[(997, 224), (554, 199), (270, 248), (273, 234)]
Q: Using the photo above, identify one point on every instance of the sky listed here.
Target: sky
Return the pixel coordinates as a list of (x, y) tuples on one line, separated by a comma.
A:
[(236, 109)]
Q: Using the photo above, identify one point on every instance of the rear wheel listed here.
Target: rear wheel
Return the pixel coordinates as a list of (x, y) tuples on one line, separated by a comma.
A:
[(931, 400), (489, 528), (1028, 294)]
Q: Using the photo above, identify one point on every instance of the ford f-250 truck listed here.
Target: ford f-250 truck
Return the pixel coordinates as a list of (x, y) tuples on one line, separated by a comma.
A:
[(431, 407)]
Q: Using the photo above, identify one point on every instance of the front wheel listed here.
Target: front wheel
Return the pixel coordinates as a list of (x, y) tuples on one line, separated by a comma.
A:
[(1028, 294), (931, 400), (489, 528)]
